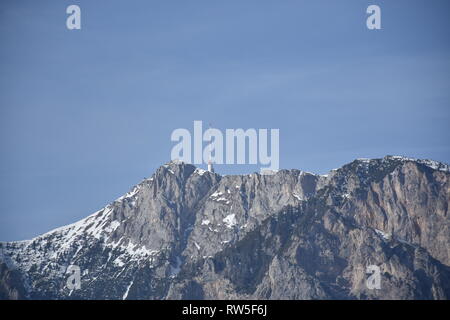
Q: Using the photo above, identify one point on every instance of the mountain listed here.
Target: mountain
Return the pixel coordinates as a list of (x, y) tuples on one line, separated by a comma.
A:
[(186, 233)]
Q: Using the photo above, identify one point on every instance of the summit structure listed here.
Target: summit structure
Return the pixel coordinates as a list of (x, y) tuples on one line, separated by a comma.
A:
[(210, 166)]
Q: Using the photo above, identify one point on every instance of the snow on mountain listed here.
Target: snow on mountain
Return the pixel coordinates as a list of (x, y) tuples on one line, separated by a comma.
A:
[(156, 240)]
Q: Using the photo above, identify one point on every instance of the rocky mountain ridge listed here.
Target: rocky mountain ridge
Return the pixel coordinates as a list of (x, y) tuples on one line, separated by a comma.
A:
[(186, 233)]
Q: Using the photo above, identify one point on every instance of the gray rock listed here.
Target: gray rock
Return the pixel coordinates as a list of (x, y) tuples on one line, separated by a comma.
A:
[(186, 233)]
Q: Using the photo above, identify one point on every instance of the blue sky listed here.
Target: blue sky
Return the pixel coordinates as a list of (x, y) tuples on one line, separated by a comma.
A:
[(86, 114)]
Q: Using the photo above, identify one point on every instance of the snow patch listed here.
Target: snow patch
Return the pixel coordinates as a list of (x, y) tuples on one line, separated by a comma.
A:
[(119, 262), (383, 234), (216, 194), (298, 197), (112, 226), (230, 220), (200, 171), (125, 295), (129, 194)]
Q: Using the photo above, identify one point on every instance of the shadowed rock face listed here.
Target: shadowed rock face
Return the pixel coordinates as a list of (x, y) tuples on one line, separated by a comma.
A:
[(186, 233)]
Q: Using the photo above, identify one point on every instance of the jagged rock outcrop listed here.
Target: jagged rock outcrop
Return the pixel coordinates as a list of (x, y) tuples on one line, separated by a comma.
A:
[(186, 233)]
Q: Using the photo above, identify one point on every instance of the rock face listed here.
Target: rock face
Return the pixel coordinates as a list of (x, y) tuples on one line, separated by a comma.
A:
[(186, 233)]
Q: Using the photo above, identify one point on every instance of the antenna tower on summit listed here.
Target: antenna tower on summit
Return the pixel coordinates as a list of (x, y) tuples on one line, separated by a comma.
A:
[(210, 163)]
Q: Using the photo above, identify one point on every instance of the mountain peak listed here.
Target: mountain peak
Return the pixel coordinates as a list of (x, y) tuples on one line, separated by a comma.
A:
[(433, 164), (398, 160), (186, 226), (176, 162)]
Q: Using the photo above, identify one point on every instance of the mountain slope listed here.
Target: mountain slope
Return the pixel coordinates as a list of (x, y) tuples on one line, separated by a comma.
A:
[(186, 233)]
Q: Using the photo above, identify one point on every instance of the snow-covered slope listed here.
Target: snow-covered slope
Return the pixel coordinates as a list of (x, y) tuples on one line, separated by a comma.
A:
[(153, 242)]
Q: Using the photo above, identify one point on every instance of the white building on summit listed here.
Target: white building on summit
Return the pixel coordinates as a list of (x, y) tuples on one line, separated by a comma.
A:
[(210, 166)]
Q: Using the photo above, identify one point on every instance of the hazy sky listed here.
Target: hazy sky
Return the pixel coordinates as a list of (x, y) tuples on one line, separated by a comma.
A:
[(86, 114)]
